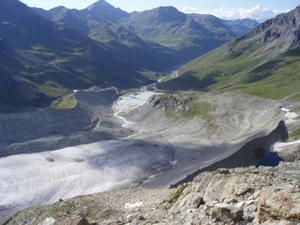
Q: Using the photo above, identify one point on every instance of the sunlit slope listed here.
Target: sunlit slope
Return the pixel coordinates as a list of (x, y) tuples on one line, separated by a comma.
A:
[(265, 62)]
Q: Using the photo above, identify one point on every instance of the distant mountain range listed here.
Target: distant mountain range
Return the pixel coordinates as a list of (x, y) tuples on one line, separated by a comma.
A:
[(264, 62), (160, 32), (48, 53)]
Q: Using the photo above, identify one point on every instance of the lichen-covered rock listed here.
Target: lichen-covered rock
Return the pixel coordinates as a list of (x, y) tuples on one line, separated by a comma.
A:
[(281, 203), (235, 196)]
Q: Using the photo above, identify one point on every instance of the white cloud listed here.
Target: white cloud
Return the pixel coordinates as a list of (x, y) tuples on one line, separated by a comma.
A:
[(257, 12)]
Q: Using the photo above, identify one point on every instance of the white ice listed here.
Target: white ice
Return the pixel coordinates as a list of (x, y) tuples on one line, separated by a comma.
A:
[(128, 103), (46, 177), (174, 163), (284, 109), (133, 205), (280, 146), (291, 117)]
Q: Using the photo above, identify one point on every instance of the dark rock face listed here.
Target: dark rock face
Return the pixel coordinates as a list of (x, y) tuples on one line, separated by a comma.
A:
[(285, 26)]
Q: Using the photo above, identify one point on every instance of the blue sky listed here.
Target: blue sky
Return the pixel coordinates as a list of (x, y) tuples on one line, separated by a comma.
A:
[(223, 8)]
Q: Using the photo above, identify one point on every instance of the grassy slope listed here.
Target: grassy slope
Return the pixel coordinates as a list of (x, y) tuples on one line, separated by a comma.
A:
[(296, 133), (248, 70), (65, 102), (187, 106)]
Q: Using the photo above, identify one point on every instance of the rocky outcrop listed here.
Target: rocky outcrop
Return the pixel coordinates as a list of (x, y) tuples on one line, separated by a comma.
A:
[(227, 213), (279, 203), (239, 196), (282, 30)]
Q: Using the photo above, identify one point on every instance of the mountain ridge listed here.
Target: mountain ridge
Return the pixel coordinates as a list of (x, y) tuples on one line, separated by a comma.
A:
[(257, 63), (122, 35)]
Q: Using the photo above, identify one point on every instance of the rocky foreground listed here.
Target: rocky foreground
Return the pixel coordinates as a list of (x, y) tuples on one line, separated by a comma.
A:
[(250, 195)]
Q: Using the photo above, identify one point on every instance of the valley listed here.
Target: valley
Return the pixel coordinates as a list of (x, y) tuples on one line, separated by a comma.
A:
[(80, 49), (137, 133)]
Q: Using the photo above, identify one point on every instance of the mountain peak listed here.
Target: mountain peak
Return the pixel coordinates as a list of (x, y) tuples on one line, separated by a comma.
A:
[(100, 3), (167, 9), (61, 9), (102, 10), (168, 14)]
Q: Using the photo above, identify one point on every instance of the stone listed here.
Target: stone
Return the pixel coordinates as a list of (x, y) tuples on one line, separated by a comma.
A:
[(279, 203), (282, 222), (243, 191), (48, 221), (225, 212), (223, 171), (82, 221), (250, 211), (197, 201), (256, 195), (240, 204)]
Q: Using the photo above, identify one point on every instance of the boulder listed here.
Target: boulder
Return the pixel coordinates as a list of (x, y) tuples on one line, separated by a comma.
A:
[(82, 221), (227, 213), (279, 204), (197, 201)]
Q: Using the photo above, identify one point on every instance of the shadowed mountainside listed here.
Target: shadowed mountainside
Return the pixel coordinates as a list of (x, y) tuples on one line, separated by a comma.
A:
[(52, 59)]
